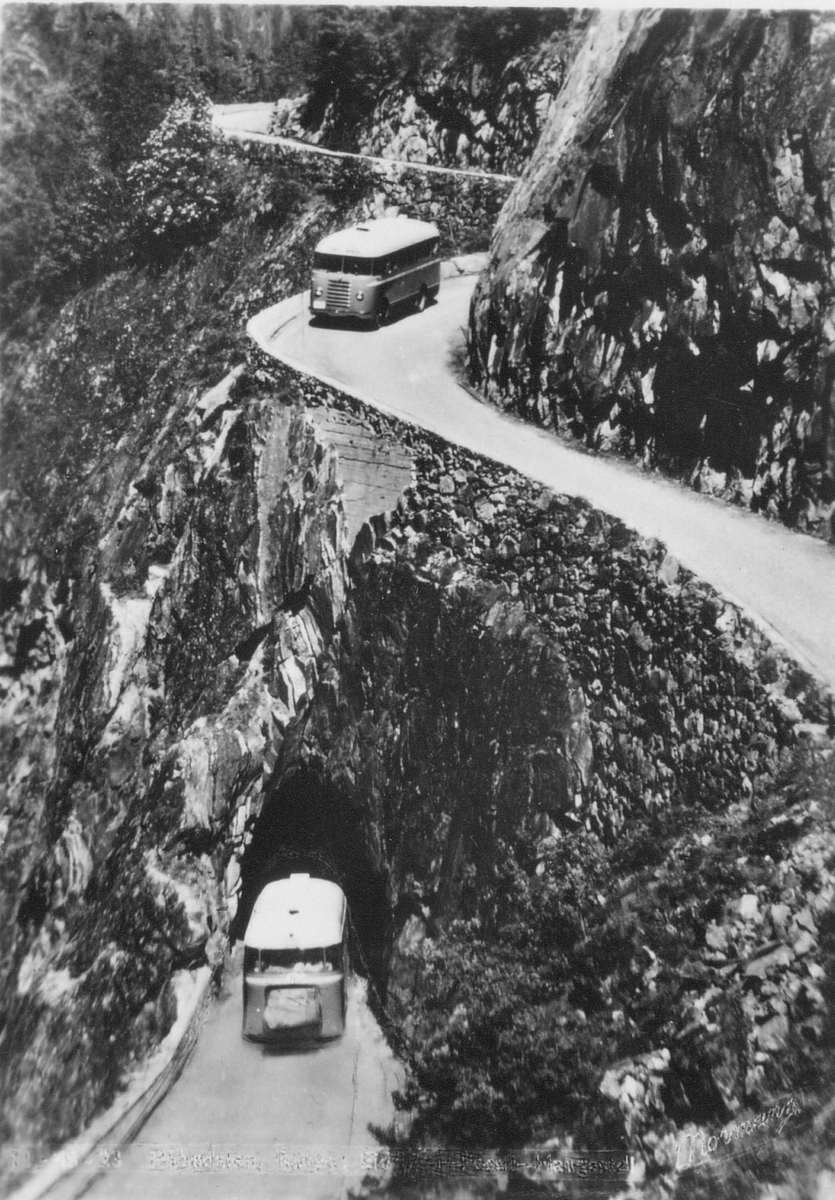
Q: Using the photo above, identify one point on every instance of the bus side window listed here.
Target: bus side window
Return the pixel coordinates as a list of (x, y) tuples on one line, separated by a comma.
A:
[(333, 958)]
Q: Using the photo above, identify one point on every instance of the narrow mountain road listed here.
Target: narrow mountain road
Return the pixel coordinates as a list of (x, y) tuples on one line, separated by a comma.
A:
[(251, 123), (244, 1120), (784, 580)]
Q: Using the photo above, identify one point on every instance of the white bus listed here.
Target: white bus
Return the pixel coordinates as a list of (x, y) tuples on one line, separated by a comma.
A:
[(366, 271), (295, 961)]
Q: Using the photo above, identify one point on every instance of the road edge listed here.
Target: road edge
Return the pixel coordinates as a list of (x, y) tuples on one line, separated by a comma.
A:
[(294, 145), (70, 1171), (264, 326)]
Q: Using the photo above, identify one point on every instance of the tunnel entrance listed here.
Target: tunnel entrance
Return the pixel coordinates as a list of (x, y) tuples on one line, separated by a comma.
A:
[(309, 825)]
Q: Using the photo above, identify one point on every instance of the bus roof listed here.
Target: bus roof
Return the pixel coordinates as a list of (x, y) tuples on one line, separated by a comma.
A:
[(297, 913), (374, 238)]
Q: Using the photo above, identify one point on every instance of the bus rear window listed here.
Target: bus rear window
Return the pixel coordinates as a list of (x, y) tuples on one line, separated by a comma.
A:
[(327, 958)]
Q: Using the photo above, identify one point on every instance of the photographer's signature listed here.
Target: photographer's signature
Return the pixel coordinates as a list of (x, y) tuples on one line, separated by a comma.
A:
[(695, 1149)]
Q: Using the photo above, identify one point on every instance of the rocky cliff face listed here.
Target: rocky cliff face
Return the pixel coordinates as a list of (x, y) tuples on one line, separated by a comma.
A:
[(169, 756), (262, 654), (465, 115), (662, 280), (236, 678), (512, 660), (477, 98), (143, 718)]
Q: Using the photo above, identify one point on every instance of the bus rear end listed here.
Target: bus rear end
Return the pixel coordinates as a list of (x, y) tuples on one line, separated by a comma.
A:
[(295, 962), (289, 996)]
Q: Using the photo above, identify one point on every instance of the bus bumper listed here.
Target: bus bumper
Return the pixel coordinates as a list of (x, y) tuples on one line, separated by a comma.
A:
[(340, 314), (290, 1014)]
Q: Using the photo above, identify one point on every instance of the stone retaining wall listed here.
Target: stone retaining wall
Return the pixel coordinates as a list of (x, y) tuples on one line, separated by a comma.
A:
[(687, 701), (463, 205)]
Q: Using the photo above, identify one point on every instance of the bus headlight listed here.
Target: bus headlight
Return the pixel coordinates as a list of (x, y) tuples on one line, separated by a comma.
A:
[(360, 295), (318, 292)]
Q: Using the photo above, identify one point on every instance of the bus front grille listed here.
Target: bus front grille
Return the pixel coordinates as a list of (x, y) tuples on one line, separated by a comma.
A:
[(339, 293)]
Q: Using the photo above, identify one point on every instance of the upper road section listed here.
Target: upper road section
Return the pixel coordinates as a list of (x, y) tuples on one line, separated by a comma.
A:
[(251, 123), (784, 580)]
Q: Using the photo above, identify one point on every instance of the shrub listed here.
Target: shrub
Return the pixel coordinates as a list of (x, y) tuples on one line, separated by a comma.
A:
[(599, 966), (57, 200), (504, 1050), (348, 67), (179, 187)]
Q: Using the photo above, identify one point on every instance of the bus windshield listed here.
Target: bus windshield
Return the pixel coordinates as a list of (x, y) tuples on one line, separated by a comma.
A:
[(347, 265)]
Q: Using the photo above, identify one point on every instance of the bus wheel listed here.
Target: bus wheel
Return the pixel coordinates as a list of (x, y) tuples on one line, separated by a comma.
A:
[(382, 314), (423, 299)]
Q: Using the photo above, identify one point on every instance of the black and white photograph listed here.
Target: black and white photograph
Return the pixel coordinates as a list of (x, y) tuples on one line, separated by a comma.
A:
[(417, 602)]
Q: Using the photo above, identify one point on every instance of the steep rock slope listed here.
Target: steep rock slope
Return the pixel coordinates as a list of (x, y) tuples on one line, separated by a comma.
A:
[(140, 729), (466, 115), (223, 689), (168, 755), (467, 88), (131, 599), (662, 276)]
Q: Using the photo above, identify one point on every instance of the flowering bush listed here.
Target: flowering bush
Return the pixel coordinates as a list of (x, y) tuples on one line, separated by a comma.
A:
[(178, 186)]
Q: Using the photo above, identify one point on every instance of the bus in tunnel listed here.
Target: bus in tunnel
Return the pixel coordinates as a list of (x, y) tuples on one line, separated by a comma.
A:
[(296, 962)]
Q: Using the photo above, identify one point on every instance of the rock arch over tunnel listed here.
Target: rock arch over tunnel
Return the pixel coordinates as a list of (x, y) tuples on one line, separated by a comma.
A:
[(308, 824)]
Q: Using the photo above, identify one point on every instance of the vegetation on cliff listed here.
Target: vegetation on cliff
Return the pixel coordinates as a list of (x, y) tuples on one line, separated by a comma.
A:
[(84, 86), (704, 942)]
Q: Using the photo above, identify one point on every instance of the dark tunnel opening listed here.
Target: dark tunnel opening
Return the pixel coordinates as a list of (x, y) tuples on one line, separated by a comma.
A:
[(308, 825)]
